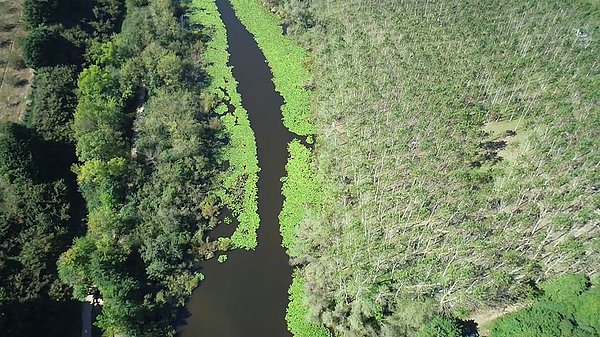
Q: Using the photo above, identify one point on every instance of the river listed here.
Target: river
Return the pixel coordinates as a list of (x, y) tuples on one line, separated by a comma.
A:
[(247, 295)]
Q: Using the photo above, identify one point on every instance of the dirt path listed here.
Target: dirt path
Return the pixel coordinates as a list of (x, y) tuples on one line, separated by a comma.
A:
[(485, 318)]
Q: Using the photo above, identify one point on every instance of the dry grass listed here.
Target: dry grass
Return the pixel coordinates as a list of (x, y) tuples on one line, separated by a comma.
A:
[(15, 77)]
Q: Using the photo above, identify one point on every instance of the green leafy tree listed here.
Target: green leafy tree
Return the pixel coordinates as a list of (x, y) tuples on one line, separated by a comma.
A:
[(38, 12), (40, 47), (568, 307), (53, 102)]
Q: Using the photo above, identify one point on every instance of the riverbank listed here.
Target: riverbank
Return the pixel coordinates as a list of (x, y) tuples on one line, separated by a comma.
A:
[(287, 61), (246, 295), (238, 190)]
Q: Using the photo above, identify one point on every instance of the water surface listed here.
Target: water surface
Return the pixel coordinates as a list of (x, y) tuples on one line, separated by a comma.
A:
[(247, 295)]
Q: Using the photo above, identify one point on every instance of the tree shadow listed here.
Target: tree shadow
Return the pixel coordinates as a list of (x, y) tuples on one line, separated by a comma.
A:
[(41, 317)]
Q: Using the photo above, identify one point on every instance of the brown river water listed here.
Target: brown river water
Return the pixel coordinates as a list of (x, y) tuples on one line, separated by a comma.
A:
[(247, 295)]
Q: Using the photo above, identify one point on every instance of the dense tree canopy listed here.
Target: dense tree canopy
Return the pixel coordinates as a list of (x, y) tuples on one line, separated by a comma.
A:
[(53, 101), (146, 160), (455, 155), (40, 209), (569, 306)]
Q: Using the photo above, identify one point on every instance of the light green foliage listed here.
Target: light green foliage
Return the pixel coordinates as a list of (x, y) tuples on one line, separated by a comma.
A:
[(222, 258), (301, 192), (287, 61), (239, 181), (569, 307), (419, 203), (297, 312)]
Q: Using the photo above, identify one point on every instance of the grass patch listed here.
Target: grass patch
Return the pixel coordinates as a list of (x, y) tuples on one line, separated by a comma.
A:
[(297, 312), (14, 76)]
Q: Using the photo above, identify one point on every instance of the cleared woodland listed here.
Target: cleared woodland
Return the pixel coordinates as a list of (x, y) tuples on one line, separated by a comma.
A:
[(457, 151)]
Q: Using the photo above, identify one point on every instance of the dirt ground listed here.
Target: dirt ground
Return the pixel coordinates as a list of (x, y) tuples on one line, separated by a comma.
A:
[(15, 77), (484, 319)]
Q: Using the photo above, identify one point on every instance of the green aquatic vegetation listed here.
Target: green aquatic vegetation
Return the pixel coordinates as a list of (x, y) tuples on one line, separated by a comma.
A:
[(302, 197), (222, 258), (297, 312), (287, 61), (239, 190), (301, 193)]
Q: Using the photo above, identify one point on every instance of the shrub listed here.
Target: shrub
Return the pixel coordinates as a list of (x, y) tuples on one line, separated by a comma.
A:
[(39, 47), (36, 12), (441, 326)]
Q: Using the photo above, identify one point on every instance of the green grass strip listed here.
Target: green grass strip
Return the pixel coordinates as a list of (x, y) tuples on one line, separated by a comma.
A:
[(287, 62), (239, 182)]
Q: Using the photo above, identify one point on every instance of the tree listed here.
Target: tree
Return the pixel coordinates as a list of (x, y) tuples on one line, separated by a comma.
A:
[(53, 102), (569, 307), (38, 12), (40, 47), (16, 159)]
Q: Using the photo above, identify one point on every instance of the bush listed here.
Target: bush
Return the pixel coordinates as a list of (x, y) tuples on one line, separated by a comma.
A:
[(39, 48), (441, 326), (36, 12), (569, 307)]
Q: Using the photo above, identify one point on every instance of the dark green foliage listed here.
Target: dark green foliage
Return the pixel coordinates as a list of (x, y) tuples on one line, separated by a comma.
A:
[(440, 326), (569, 307), (108, 16), (39, 206), (53, 101), (46, 317), (16, 159), (40, 48), (35, 228), (38, 12)]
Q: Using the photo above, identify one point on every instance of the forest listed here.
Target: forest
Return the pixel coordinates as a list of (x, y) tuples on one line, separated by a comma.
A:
[(40, 206), (443, 179), (456, 154), (112, 168)]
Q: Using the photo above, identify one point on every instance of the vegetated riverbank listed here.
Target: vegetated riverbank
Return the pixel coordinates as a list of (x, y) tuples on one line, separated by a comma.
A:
[(287, 61), (239, 191), (430, 208), (247, 294), (149, 149)]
